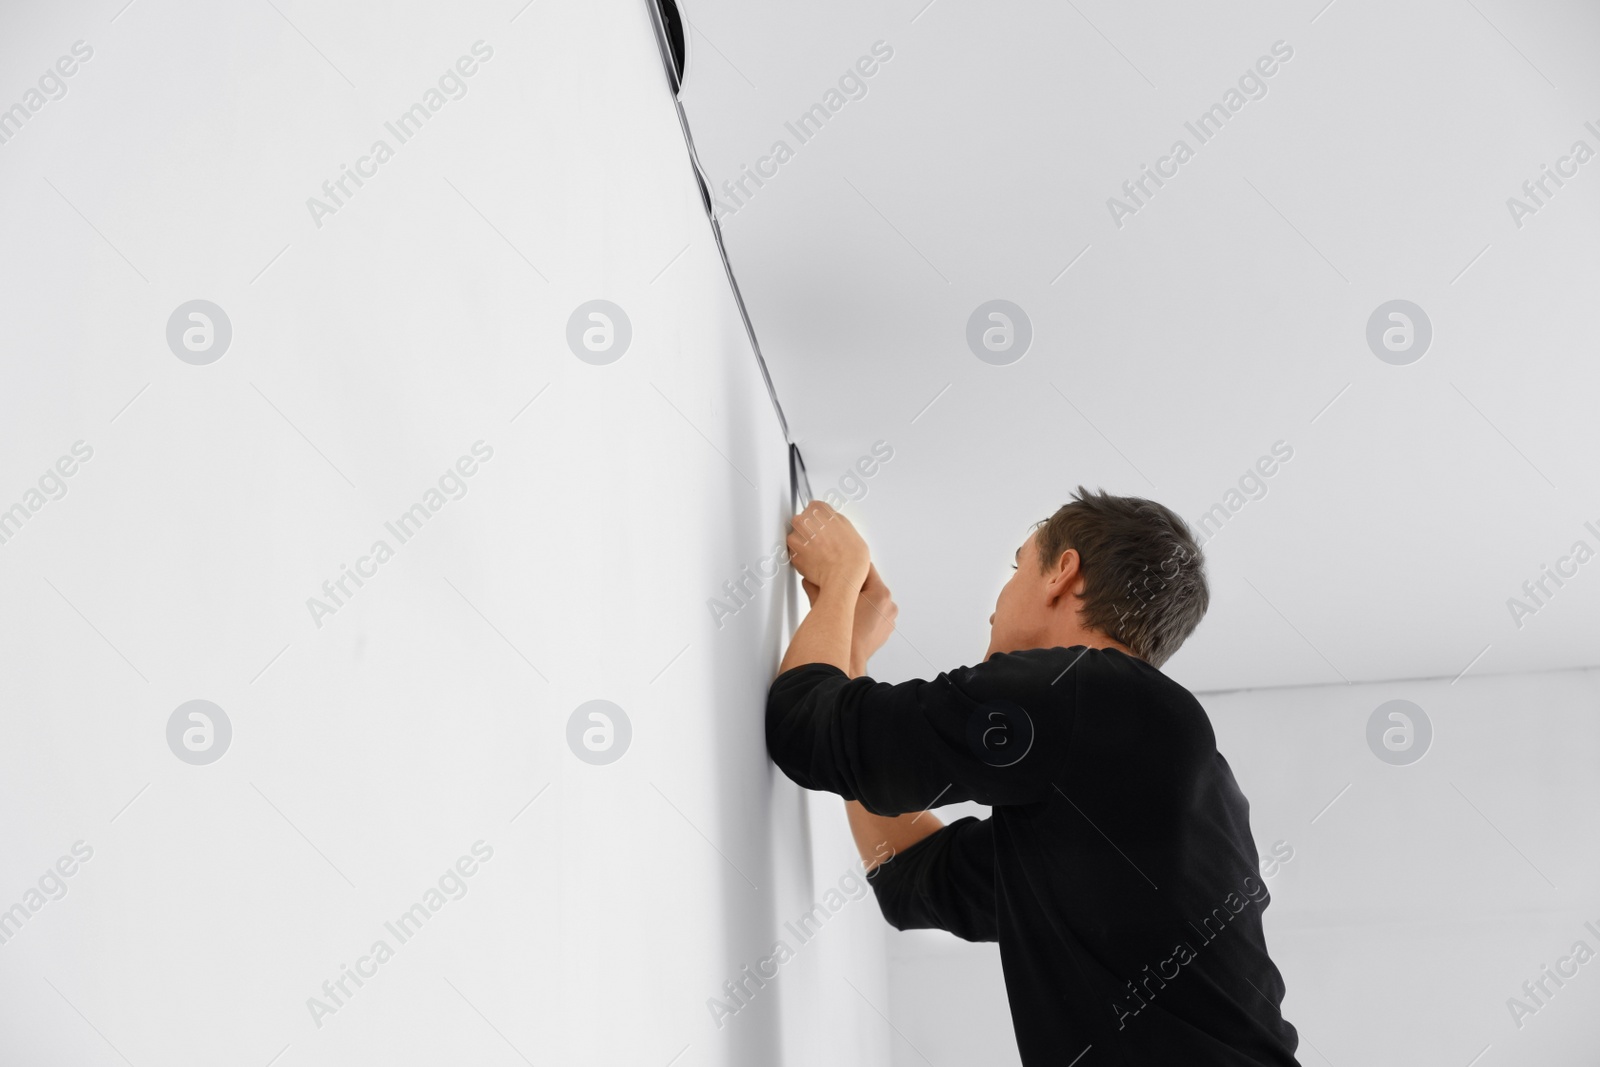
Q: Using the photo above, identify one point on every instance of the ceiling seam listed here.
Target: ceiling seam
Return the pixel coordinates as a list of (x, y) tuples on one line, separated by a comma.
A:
[(799, 483)]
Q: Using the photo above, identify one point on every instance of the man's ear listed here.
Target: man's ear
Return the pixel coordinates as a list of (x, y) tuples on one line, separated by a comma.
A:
[(1066, 578)]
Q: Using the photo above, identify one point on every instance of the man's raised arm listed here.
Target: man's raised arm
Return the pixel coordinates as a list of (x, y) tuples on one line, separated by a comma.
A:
[(847, 623)]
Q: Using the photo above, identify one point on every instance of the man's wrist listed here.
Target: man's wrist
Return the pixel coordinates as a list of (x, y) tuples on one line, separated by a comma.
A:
[(850, 581), (836, 590)]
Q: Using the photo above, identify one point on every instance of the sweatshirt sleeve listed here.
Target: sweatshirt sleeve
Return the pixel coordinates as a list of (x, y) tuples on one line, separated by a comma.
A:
[(988, 733), (943, 882)]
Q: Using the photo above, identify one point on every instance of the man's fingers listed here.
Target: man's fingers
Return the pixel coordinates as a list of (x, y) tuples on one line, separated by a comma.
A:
[(813, 514)]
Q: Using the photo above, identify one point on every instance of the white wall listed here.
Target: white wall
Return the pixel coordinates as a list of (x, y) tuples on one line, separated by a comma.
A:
[(430, 710), (1415, 905)]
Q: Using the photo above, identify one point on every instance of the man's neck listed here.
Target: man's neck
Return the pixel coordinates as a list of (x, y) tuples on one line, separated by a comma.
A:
[(1073, 639)]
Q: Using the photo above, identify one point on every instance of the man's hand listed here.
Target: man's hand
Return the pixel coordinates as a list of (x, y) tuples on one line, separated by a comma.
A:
[(828, 552), (826, 548), (875, 614)]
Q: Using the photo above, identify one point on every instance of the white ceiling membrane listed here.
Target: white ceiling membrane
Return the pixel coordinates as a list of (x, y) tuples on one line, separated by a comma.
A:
[(1322, 281)]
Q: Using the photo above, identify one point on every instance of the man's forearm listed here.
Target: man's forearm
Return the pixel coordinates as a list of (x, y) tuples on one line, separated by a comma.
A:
[(823, 636), (880, 837)]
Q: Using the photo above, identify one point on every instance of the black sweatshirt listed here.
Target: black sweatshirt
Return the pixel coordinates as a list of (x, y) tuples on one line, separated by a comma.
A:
[(1116, 869)]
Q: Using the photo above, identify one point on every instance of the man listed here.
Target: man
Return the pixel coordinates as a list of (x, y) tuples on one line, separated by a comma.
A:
[(1116, 869)]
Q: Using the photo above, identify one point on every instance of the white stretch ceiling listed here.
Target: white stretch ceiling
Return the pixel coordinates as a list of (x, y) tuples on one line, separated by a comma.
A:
[(1177, 344)]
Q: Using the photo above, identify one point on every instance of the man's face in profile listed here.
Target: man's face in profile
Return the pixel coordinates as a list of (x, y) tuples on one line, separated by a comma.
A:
[(1013, 622)]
